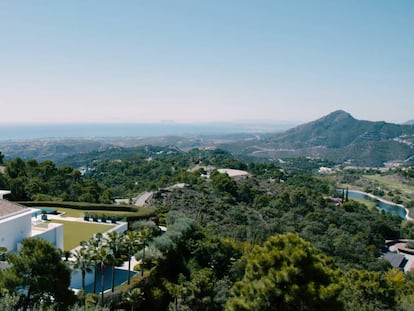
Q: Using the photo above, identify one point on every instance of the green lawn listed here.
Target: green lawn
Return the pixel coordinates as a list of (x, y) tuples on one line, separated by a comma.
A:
[(395, 184), (387, 183), (391, 183), (75, 232)]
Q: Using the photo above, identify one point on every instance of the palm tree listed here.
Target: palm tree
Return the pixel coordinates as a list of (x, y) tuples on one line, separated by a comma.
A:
[(83, 262), (175, 290), (93, 246), (134, 298), (147, 255), (144, 235), (103, 256), (115, 244), (131, 243), (146, 231)]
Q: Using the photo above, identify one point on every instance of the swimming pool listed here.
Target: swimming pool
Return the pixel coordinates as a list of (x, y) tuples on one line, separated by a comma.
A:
[(43, 210)]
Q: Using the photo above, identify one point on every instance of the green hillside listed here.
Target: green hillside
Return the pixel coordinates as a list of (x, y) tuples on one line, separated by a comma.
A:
[(338, 137)]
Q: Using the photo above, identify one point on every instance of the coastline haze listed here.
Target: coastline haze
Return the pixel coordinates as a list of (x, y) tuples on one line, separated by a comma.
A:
[(100, 130)]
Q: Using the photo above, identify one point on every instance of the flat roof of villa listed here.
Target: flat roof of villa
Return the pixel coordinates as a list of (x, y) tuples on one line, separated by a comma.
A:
[(43, 227), (8, 208)]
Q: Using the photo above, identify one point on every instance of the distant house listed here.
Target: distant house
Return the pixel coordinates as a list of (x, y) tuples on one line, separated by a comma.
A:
[(17, 223), (400, 254), (233, 173), (325, 170)]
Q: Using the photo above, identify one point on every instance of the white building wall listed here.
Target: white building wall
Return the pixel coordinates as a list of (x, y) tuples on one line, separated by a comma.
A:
[(53, 233), (59, 237), (120, 227), (14, 229)]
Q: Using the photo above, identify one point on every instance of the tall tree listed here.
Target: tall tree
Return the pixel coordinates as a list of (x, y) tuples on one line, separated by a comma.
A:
[(103, 256), (16, 168), (286, 273), (134, 298), (93, 246), (41, 273), (370, 290), (115, 244), (131, 242), (83, 262), (146, 231)]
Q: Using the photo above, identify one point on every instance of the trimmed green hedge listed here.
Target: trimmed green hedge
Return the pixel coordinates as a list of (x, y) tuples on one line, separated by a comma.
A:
[(137, 213), (80, 206)]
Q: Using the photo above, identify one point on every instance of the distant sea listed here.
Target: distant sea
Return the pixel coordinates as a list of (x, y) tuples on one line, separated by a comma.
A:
[(27, 132)]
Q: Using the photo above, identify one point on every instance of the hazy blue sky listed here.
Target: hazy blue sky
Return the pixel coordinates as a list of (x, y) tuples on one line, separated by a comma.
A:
[(146, 61)]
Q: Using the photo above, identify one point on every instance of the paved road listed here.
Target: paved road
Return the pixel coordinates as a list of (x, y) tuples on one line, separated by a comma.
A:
[(141, 200)]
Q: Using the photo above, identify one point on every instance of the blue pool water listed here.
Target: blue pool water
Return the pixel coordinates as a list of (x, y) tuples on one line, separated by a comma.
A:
[(390, 208), (121, 276), (41, 210)]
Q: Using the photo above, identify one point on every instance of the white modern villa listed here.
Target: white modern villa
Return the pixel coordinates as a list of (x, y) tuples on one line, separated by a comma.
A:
[(16, 223)]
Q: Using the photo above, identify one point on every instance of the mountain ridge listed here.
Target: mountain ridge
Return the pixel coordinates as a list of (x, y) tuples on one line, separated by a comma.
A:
[(338, 137)]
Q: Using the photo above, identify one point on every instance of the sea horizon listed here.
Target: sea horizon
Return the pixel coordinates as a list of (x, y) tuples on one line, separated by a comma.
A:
[(95, 130)]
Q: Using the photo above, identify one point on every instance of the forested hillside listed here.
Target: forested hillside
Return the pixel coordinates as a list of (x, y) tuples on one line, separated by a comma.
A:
[(338, 137), (33, 181), (251, 242), (128, 171)]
